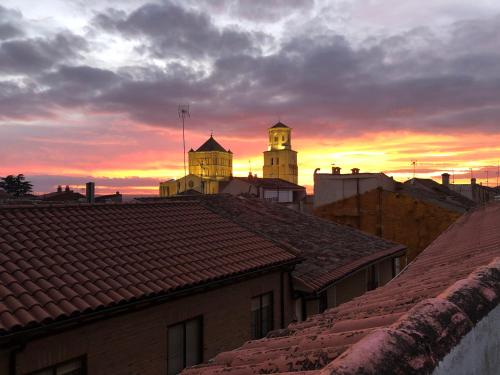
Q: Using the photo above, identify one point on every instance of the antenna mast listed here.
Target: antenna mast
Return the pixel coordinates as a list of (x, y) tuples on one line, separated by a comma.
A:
[(414, 163), (183, 111)]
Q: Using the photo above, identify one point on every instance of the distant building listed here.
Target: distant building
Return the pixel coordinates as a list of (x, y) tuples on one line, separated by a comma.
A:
[(143, 288), (336, 186), (110, 198), (440, 316), (474, 191), (271, 189), (414, 213), (209, 165), (280, 161), (66, 195)]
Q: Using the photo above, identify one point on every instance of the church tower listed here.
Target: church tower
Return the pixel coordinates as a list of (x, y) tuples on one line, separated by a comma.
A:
[(280, 161)]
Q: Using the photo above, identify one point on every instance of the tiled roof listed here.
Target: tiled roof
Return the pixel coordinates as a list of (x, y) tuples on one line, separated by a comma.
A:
[(279, 124), (433, 192), (58, 262), (330, 251), (404, 327), (211, 145), (271, 183)]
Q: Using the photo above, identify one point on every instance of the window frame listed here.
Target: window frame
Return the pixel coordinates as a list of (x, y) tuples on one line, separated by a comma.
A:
[(82, 358), (271, 304), (201, 338)]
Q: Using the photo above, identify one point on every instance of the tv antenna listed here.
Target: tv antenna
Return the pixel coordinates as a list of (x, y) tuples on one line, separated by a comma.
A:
[(414, 163), (183, 111), (498, 172)]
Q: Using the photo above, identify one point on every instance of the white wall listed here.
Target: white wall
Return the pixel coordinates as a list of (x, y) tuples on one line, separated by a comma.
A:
[(330, 188), (285, 196), (478, 352)]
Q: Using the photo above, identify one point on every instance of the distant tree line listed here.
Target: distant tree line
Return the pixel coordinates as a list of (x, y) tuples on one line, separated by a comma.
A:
[(16, 186)]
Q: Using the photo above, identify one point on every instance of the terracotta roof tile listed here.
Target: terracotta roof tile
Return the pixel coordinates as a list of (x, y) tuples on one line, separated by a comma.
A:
[(63, 261), (406, 326), (330, 251)]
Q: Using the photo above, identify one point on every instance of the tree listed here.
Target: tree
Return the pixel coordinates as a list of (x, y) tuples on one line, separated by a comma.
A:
[(16, 185)]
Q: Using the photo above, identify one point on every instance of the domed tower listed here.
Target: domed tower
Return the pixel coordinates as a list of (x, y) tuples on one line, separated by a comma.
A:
[(280, 161)]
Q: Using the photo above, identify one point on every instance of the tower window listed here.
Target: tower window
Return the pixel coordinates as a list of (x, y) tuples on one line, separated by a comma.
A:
[(283, 138), (272, 161), (276, 139)]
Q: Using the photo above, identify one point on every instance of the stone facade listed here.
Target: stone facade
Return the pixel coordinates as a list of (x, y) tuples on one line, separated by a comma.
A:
[(280, 161)]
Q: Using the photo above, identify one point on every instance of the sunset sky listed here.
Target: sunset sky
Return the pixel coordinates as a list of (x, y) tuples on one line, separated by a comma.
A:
[(89, 88)]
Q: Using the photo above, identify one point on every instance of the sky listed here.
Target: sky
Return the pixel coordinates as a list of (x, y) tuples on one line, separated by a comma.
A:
[(89, 89)]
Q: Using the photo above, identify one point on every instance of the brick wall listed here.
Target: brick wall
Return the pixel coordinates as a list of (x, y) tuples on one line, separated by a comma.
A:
[(393, 216), (136, 343)]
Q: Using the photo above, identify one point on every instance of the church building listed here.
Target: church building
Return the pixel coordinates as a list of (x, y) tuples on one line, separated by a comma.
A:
[(209, 165), (280, 161)]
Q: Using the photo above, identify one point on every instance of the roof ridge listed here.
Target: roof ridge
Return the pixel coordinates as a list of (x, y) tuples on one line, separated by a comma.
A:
[(86, 205), (445, 319)]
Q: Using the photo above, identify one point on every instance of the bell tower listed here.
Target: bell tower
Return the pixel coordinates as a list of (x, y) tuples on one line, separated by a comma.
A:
[(280, 161)]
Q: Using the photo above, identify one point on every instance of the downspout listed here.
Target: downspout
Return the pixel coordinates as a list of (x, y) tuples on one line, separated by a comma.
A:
[(282, 299), (13, 359)]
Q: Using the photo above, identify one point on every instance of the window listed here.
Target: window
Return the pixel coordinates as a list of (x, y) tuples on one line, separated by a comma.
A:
[(73, 367), (272, 161), (371, 277), (282, 138), (396, 266), (185, 345), (276, 139), (323, 302), (262, 315), (191, 184)]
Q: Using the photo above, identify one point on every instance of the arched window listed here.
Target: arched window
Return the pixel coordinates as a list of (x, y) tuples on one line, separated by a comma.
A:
[(283, 138), (276, 139)]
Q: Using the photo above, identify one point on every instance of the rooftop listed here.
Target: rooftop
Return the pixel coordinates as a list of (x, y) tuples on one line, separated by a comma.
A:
[(270, 183), (211, 145), (61, 262), (330, 251), (436, 193), (279, 124), (404, 327)]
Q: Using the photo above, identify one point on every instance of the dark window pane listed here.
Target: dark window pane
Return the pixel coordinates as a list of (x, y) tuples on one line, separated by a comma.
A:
[(71, 368), (256, 326), (193, 342), (175, 349)]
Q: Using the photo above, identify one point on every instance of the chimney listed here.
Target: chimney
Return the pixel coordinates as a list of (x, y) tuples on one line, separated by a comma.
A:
[(355, 171), (336, 170), (67, 189), (59, 189), (445, 179), (90, 192), (473, 181)]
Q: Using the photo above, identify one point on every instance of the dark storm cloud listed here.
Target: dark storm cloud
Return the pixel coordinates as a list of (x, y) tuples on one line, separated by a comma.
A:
[(412, 80), (168, 30), (32, 55), (9, 24)]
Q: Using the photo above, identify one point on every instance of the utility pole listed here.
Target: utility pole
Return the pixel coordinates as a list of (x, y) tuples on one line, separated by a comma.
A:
[(183, 111)]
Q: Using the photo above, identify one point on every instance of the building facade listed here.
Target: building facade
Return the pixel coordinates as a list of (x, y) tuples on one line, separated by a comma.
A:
[(336, 186), (280, 161), (132, 288), (209, 165)]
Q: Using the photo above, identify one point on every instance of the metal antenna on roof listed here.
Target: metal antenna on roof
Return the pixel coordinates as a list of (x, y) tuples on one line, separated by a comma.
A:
[(498, 171), (487, 179), (414, 163), (183, 111)]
